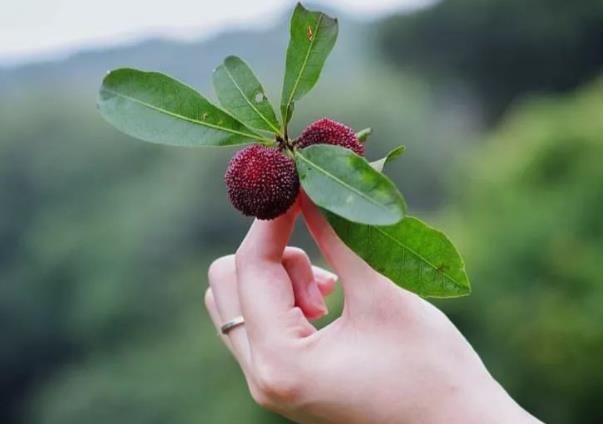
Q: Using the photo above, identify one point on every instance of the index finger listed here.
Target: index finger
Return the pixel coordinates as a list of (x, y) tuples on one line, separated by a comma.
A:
[(265, 290)]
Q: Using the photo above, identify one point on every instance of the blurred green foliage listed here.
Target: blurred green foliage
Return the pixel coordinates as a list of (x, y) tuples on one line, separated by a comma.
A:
[(105, 241), (501, 49), (529, 220)]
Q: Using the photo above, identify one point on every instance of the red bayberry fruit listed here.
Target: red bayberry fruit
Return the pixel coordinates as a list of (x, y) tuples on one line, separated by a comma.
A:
[(261, 181), (327, 131)]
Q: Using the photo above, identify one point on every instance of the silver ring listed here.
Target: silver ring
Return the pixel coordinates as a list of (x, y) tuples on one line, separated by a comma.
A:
[(232, 324)]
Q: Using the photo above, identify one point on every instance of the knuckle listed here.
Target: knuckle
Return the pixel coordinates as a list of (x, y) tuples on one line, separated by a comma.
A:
[(258, 397), (296, 252), (241, 257), (296, 321), (297, 255), (276, 386), (220, 267)]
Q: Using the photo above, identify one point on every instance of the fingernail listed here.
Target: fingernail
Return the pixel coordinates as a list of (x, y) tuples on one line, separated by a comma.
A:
[(327, 275), (317, 300)]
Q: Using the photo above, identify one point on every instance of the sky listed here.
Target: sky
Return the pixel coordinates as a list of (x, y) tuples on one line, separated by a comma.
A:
[(32, 30)]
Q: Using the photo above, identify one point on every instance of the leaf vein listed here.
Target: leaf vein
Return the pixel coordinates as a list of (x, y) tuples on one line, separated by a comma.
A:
[(417, 254), (261, 115), (185, 118), (303, 67), (344, 184)]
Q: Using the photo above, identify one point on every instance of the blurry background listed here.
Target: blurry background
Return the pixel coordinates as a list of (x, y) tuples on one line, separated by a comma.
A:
[(105, 241)]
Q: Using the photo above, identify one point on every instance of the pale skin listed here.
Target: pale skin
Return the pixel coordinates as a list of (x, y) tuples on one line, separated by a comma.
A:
[(391, 357)]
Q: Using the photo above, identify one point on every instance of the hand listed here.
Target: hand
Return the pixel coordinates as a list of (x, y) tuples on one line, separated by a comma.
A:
[(391, 357)]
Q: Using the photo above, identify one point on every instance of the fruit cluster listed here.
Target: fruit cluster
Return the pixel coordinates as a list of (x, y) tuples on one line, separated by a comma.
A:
[(263, 182)]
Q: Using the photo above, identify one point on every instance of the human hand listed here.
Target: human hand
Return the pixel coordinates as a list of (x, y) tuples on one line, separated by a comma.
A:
[(391, 357)]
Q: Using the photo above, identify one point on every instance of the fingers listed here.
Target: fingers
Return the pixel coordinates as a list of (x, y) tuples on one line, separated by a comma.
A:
[(223, 282), (265, 290), (359, 280), (306, 291), (298, 266), (326, 280)]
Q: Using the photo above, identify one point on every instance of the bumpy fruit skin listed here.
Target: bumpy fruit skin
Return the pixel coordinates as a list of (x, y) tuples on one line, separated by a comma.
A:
[(327, 131), (261, 181)]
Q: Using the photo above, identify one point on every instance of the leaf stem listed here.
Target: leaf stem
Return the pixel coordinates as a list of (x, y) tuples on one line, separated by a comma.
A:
[(285, 131)]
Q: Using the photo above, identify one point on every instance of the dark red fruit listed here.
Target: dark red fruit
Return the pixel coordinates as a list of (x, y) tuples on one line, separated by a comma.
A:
[(261, 181), (327, 131)]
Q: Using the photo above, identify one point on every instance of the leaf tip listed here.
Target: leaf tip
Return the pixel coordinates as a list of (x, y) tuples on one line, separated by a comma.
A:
[(231, 58), (364, 134)]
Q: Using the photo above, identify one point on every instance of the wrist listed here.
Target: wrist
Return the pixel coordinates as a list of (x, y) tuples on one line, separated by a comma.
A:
[(480, 399)]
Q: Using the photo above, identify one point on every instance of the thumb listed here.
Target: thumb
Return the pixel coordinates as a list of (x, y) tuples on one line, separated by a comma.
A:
[(359, 281)]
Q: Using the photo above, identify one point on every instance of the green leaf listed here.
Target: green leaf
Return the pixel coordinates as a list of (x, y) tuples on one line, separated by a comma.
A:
[(313, 36), (393, 154), (339, 180), (156, 108), (363, 135), (410, 253), (241, 94)]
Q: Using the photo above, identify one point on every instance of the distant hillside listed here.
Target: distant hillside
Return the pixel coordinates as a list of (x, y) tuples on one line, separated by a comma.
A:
[(192, 62)]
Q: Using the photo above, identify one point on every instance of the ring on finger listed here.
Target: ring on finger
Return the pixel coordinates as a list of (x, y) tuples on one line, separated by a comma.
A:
[(232, 324)]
